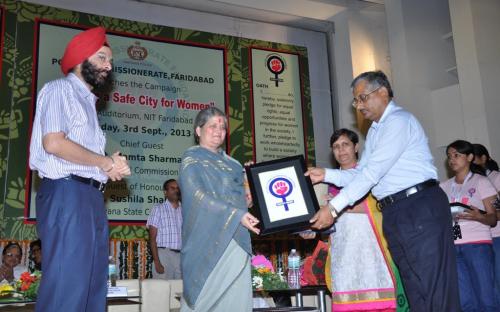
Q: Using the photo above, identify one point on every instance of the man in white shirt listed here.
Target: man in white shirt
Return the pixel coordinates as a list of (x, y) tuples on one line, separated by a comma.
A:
[(397, 166), (165, 233)]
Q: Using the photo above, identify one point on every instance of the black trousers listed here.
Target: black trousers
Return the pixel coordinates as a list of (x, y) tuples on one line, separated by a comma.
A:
[(418, 230)]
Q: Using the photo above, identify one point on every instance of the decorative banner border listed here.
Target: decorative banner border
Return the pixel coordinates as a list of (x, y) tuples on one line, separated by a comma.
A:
[(277, 104), (160, 85), (2, 38)]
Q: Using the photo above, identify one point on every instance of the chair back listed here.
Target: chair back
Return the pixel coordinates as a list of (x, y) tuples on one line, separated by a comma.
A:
[(175, 293), (155, 295)]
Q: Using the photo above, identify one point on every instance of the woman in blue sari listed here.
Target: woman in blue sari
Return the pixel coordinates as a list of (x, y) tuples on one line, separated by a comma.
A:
[(216, 252)]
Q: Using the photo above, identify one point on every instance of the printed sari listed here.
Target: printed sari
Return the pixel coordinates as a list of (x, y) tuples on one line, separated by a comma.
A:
[(364, 276)]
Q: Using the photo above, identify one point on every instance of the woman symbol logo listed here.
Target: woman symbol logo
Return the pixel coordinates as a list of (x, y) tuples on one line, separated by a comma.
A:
[(281, 188)]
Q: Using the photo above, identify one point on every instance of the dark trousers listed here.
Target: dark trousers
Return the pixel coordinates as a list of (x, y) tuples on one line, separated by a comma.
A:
[(418, 231), (72, 224)]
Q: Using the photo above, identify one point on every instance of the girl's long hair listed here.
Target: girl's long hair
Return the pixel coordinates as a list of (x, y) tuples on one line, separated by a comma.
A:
[(466, 148), (479, 151)]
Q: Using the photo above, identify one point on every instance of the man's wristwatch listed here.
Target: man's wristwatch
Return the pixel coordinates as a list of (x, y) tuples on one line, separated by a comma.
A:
[(332, 210)]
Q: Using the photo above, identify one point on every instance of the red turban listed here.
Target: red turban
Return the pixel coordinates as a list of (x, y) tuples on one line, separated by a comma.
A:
[(82, 46)]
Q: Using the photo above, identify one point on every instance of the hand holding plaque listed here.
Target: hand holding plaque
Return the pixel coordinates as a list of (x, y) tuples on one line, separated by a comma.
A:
[(315, 174), (284, 198), (324, 218)]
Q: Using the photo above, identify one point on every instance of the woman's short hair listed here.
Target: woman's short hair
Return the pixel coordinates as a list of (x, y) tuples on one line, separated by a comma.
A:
[(351, 135), (204, 115)]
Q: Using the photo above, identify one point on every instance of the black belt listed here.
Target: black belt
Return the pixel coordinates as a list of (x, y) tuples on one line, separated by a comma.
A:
[(97, 184), (174, 250), (391, 199)]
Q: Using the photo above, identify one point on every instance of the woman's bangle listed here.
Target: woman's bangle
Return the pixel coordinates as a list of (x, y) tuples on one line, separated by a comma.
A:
[(112, 164)]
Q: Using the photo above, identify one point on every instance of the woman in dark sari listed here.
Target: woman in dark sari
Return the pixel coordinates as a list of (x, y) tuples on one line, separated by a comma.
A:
[(216, 252)]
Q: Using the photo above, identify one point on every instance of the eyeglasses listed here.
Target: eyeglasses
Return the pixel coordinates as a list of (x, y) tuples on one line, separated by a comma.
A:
[(363, 97), (10, 254)]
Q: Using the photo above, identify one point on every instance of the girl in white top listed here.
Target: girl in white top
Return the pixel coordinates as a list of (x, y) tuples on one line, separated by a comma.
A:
[(483, 159), (474, 247)]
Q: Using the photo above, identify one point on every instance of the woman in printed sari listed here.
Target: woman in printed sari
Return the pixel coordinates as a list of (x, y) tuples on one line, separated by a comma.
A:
[(216, 251), (363, 275)]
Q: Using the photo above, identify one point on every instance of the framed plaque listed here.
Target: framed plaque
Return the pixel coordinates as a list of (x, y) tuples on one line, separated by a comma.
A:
[(458, 208), (284, 199)]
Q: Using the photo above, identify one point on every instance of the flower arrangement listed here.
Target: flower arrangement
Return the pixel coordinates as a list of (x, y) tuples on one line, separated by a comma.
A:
[(26, 287), (6, 290), (28, 284), (263, 275)]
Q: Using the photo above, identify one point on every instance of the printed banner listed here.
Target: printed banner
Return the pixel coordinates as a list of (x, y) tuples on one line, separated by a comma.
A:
[(276, 105), (159, 87)]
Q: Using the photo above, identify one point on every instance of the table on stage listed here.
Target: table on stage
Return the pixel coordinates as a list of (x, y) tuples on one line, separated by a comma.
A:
[(20, 305), (320, 291)]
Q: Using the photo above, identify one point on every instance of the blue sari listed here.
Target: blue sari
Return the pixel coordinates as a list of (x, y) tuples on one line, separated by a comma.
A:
[(213, 203)]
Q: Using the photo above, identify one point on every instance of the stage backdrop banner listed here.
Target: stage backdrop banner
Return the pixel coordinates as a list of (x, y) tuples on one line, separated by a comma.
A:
[(276, 105), (164, 75), (158, 89)]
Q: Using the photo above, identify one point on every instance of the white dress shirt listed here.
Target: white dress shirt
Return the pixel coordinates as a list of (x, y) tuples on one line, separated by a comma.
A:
[(396, 156)]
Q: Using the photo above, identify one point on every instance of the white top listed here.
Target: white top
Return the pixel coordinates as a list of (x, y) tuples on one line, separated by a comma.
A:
[(18, 270), (396, 156)]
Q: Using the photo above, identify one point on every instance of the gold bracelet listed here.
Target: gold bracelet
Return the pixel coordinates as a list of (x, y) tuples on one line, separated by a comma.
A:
[(112, 164)]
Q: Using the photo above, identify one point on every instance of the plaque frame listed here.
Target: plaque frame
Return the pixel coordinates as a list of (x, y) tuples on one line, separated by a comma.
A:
[(265, 179)]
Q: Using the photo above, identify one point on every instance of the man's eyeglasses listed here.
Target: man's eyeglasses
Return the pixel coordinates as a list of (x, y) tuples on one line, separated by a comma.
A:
[(362, 98)]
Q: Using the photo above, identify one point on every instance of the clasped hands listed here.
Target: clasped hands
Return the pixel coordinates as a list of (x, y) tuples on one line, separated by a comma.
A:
[(117, 167), (324, 218)]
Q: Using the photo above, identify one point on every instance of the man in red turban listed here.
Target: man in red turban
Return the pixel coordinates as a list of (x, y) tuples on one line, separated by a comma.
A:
[(67, 150)]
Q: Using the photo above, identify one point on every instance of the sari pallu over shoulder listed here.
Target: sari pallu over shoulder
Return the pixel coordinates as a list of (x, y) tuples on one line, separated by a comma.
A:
[(213, 203), (375, 217)]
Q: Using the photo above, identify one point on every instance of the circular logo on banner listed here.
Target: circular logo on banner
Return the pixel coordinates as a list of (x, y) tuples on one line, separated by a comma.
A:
[(136, 52), (276, 65), (281, 187)]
